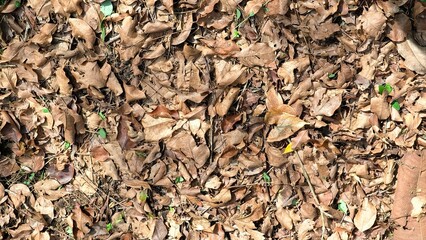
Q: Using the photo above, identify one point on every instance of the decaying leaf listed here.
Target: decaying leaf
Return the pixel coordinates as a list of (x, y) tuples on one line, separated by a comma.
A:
[(366, 216), (414, 55), (82, 30)]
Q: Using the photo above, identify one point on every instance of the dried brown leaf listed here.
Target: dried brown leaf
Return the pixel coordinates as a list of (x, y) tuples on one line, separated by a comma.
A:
[(63, 175), (82, 220), (414, 55), (400, 27), (380, 107), (257, 54), (80, 29), (366, 216), (372, 21)]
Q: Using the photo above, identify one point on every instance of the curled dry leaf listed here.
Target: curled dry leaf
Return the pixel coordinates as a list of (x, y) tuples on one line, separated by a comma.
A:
[(227, 73), (223, 106), (414, 55), (157, 128), (284, 218), (257, 54), (80, 29), (372, 22), (400, 27), (282, 116), (63, 175), (253, 6), (17, 193), (286, 71), (366, 216), (44, 37), (380, 107), (44, 206), (133, 93), (185, 30), (81, 219), (326, 102)]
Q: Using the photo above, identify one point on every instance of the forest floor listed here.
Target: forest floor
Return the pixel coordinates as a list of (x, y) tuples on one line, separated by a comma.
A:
[(215, 119)]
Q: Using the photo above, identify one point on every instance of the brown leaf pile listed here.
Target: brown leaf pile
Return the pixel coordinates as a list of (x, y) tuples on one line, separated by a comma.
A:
[(217, 119)]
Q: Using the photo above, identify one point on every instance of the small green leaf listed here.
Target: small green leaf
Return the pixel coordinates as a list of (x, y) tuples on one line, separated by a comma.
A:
[(67, 145), (266, 9), (342, 207), (143, 196), (102, 133), (31, 177), (17, 3), (179, 179), (266, 177), (294, 202), (101, 115), (103, 33), (141, 154), (109, 227), (395, 104), (385, 87), (388, 88), (238, 14), (251, 14), (331, 75), (68, 230), (171, 209), (107, 8), (381, 89), (235, 34), (45, 110)]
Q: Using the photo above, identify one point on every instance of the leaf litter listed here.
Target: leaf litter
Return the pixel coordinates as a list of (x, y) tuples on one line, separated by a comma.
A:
[(245, 119)]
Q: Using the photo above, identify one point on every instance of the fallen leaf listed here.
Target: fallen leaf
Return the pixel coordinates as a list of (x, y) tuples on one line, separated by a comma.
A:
[(81, 29), (257, 54), (326, 102), (82, 220), (400, 27), (63, 175), (380, 107), (414, 55), (366, 216), (372, 21)]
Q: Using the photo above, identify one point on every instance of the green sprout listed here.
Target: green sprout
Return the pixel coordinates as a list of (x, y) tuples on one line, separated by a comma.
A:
[(102, 115), (266, 178), (68, 230), (102, 133), (395, 104), (143, 196), (67, 145), (332, 76), (385, 87), (342, 207), (45, 110), (29, 179), (109, 227), (238, 15), (179, 180)]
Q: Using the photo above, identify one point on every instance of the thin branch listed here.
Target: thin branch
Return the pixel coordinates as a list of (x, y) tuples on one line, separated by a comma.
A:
[(317, 203)]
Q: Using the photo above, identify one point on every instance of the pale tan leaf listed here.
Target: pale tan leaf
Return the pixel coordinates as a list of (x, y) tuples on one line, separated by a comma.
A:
[(414, 55), (366, 216)]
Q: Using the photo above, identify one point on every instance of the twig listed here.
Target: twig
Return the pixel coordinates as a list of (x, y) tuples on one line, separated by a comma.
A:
[(112, 39), (317, 203)]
